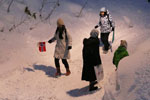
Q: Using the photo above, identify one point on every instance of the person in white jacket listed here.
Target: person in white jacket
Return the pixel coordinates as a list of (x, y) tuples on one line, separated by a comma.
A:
[(63, 45), (106, 25)]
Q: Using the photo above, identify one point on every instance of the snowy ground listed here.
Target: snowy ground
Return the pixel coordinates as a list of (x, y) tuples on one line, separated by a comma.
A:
[(27, 74)]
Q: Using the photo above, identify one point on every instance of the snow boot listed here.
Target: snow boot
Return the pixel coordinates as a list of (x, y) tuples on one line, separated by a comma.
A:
[(58, 73), (110, 46), (94, 83), (105, 51), (92, 87), (67, 72)]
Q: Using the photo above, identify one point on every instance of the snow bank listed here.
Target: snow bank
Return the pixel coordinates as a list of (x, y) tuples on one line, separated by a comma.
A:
[(134, 74), (131, 81)]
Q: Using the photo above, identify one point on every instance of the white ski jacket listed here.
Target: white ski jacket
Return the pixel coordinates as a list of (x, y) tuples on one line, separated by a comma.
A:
[(106, 23)]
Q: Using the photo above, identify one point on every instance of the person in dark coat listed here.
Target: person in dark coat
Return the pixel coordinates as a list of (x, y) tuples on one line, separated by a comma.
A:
[(91, 58)]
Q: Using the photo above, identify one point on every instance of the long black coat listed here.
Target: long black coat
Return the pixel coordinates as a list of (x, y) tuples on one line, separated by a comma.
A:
[(91, 58)]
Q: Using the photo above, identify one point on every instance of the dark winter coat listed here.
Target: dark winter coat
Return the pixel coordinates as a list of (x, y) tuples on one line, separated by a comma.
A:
[(119, 54), (91, 58)]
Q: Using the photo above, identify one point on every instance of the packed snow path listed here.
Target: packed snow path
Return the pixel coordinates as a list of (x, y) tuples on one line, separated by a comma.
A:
[(27, 74)]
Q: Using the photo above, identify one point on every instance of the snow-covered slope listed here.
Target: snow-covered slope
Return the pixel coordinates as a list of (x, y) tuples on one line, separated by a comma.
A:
[(132, 79), (134, 74), (27, 74)]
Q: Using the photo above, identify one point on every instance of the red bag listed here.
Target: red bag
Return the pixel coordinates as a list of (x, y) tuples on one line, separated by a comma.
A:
[(42, 46)]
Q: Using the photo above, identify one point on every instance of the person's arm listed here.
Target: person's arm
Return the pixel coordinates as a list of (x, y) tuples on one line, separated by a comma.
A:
[(52, 39), (69, 40), (112, 22), (98, 25)]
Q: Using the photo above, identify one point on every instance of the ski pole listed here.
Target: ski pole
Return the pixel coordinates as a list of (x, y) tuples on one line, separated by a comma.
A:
[(113, 37)]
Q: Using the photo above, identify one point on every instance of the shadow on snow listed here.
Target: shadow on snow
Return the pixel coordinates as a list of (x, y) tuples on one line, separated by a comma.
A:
[(80, 92)]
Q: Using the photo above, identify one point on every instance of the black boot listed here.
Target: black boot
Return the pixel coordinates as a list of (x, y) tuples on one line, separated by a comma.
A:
[(92, 87), (94, 82)]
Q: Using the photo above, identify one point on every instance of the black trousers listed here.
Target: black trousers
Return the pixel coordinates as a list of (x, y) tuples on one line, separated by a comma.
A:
[(104, 38), (64, 61)]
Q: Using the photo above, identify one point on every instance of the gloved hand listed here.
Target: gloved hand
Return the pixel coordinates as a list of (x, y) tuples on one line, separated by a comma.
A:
[(113, 29), (69, 47), (50, 41), (96, 26)]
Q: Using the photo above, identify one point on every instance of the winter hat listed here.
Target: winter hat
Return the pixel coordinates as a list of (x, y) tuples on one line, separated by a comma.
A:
[(94, 33), (103, 9), (60, 22), (124, 43)]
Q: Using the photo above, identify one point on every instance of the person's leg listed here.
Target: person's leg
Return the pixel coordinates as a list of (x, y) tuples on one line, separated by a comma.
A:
[(64, 61), (102, 37), (104, 40), (58, 73), (107, 41), (57, 63)]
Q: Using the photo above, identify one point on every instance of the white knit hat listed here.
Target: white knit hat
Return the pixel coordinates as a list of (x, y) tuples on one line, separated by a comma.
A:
[(94, 33), (103, 9)]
